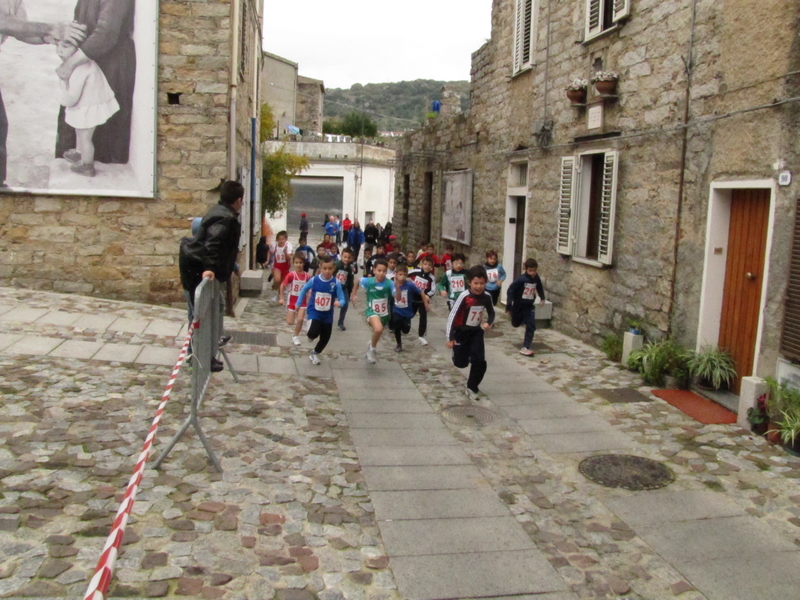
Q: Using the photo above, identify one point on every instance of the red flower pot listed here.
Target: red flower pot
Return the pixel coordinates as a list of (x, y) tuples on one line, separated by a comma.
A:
[(606, 88), (577, 96)]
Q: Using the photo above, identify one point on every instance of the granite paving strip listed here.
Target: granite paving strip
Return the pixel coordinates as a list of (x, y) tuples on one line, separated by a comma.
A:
[(33, 344), (76, 349), (98, 322), (118, 352), (158, 356), (129, 325), (437, 504), (58, 317), (8, 339), (23, 314), (164, 328)]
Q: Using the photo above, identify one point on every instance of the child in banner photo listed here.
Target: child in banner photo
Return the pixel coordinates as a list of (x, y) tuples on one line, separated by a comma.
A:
[(89, 102)]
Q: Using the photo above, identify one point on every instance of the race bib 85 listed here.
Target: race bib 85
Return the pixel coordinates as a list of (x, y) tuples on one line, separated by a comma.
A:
[(380, 307)]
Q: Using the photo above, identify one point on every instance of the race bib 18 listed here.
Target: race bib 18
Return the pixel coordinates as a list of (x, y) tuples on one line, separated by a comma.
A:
[(322, 301)]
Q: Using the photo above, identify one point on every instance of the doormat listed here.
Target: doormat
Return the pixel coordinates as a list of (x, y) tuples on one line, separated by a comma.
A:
[(697, 407), (616, 395)]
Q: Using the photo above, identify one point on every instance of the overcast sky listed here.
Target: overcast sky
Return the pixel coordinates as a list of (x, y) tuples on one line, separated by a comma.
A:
[(376, 41)]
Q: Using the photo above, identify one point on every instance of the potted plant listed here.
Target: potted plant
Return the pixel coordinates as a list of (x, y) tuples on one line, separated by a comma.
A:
[(782, 407), (612, 346), (659, 361), (757, 416), (712, 367), (605, 82), (576, 90), (634, 326)]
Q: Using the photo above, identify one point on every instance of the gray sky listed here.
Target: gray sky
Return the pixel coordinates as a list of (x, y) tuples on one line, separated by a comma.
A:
[(376, 41)]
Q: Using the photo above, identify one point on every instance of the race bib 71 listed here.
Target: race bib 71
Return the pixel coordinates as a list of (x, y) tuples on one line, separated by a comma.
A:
[(474, 316)]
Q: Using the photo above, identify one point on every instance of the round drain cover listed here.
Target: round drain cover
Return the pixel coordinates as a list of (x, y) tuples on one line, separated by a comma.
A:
[(629, 472), (469, 415)]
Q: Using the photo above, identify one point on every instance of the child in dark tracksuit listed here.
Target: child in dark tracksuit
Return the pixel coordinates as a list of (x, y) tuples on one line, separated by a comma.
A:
[(519, 302), (465, 328)]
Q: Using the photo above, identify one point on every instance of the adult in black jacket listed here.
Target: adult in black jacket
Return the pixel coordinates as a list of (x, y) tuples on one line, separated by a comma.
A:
[(212, 252), (371, 234)]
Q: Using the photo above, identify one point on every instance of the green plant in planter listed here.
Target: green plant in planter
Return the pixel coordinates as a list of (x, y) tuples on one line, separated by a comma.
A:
[(713, 366), (612, 346), (789, 427), (657, 359), (634, 326)]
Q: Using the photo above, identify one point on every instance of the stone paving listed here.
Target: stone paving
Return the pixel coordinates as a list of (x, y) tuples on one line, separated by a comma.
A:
[(294, 516)]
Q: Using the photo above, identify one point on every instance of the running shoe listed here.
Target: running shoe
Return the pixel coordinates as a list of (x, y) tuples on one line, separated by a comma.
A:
[(216, 365), (527, 352), (342, 327), (423, 341), (313, 358), (223, 341), (398, 348), (473, 395), (371, 355), (296, 340)]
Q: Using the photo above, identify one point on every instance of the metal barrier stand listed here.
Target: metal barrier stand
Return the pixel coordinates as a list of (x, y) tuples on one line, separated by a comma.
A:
[(208, 311)]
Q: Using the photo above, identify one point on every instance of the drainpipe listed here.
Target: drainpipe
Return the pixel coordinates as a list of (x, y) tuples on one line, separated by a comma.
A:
[(255, 138), (689, 68), (234, 72)]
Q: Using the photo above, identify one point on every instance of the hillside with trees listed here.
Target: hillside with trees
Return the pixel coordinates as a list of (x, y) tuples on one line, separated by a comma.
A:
[(392, 106)]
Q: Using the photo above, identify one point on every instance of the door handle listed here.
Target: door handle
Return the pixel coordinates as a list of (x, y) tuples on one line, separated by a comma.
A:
[(751, 276)]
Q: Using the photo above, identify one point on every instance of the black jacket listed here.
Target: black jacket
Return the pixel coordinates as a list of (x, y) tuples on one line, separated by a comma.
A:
[(371, 233), (214, 248)]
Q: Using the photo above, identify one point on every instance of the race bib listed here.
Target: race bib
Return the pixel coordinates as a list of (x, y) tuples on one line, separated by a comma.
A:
[(457, 284), (403, 302), (474, 316), (421, 283), (341, 277), (323, 301), (380, 306), (448, 264), (280, 255), (529, 293), (492, 275), (297, 285)]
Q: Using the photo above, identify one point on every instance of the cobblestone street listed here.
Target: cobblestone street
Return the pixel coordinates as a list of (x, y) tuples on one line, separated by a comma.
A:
[(321, 463)]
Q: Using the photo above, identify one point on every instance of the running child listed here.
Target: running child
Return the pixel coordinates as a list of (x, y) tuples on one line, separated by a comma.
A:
[(454, 280), (281, 253), (446, 261), (344, 275), (391, 266), (379, 290), (429, 252), (410, 259), (465, 328), (333, 252), (495, 274), (307, 251), (326, 293), (405, 295), (520, 302), (295, 307), (368, 260), (423, 278)]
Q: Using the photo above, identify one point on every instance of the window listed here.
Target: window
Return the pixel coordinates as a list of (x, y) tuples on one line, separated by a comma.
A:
[(524, 35), (602, 15), (586, 206), (790, 340), (518, 175)]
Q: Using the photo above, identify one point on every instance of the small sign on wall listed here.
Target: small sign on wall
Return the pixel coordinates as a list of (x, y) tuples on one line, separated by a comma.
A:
[(594, 116)]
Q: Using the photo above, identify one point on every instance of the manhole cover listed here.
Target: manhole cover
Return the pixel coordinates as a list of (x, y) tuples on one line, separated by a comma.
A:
[(469, 415), (617, 395), (629, 472), (252, 338)]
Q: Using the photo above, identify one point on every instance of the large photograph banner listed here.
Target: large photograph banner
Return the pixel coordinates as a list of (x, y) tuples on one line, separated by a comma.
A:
[(457, 207), (77, 97)]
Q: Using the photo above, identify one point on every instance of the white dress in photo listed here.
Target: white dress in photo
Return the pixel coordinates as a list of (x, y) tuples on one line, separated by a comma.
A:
[(88, 98)]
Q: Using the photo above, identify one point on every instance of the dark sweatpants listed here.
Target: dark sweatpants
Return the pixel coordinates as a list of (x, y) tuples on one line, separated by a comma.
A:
[(3, 140), (419, 309), (528, 317), (399, 325), (468, 350), (320, 330)]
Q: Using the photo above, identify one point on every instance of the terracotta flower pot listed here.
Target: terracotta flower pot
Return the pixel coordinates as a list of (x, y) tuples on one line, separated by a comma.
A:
[(576, 96), (773, 433), (606, 88)]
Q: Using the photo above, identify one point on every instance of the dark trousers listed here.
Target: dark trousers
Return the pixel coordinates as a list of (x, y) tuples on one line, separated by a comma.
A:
[(495, 294), (400, 325), (320, 330), (526, 316), (3, 139), (343, 312), (419, 308), (469, 350)]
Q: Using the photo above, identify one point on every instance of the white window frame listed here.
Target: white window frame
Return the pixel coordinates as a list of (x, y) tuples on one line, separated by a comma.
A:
[(595, 9), (573, 206), (524, 15)]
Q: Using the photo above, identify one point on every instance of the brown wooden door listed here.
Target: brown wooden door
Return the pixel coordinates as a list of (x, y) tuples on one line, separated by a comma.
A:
[(744, 272)]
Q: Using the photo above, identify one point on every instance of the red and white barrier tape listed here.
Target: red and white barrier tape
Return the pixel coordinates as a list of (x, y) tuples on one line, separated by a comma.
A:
[(98, 586)]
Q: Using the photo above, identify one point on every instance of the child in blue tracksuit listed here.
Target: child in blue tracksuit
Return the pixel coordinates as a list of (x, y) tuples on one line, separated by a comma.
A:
[(326, 293), (519, 302), (406, 293), (495, 274)]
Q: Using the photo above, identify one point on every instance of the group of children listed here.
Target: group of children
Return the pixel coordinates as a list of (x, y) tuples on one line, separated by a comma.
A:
[(399, 287)]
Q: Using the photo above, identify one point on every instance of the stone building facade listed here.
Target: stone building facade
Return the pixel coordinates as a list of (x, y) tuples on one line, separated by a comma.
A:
[(209, 59), (310, 97), (279, 90), (629, 200)]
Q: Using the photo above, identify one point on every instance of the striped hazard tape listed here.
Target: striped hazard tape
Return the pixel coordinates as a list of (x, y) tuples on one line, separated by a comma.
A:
[(98, 586)]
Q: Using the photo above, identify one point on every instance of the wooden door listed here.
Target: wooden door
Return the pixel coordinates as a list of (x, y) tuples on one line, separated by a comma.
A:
[(744, 272), (519, 237)]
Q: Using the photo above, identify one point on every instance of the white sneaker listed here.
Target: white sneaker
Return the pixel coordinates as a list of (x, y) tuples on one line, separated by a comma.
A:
[(306, 325), (296, 340), (275, 297), (371, 355), (472, 395), (423, 341), (313, 358)]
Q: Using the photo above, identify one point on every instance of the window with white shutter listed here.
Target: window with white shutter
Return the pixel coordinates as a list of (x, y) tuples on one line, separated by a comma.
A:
[(602, 15), (790, 338), (524, 34), (587, 205)]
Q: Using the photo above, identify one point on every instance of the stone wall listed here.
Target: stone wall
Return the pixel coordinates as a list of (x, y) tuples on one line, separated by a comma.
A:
[(506, 110), (127, 248), (310, 94)]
